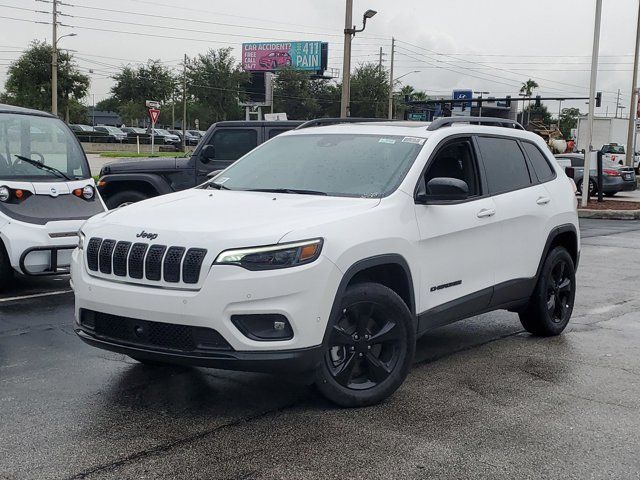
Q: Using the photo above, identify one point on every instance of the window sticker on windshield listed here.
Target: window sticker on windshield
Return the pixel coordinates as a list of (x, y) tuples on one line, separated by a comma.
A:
[(390, 141), (415, 140), (220, 181)]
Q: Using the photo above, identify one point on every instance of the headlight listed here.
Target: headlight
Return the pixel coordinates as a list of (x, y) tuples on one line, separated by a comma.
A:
[(4, 194), (81, 237), (88, 192), (274, 256)]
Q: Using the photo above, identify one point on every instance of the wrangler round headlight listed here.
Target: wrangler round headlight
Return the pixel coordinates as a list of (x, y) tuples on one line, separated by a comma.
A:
[(5, 193), (88, 192), (273, 256)]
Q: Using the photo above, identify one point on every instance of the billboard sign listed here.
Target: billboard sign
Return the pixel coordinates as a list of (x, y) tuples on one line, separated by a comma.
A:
[(270, 56), (463, 107)]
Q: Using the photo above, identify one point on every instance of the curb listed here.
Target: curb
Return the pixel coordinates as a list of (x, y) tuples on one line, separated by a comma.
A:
[(609, 214)]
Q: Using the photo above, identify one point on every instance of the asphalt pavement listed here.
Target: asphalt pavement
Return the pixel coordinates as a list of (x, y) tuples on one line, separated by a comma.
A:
[(484, 399)]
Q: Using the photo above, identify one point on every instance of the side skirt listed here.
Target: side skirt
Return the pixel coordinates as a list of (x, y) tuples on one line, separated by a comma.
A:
[(509, 295)]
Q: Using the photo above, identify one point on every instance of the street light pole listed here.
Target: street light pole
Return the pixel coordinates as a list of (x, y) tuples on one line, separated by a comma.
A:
[(480, 101), (592, 101), (54, 60), (393, 51), (346, 61), (634, 98)]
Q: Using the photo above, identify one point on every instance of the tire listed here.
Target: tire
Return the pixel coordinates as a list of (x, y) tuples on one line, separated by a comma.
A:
[(593, 188), (551, 305), (369, 349), (6, 271), (125, 197), (610, 194)]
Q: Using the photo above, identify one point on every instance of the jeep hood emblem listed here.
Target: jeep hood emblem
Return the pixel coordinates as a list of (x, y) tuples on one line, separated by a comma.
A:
[(150, 236)]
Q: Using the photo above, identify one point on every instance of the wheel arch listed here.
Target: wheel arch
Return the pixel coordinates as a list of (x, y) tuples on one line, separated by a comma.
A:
[(564, 236), (150, 184), (390, 270)]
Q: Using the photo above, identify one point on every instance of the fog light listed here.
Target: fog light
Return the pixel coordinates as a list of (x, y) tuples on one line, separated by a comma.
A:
[(264, 327)]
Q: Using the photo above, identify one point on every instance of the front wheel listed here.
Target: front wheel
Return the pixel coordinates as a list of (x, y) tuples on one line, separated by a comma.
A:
[(126, 197), (551, 305), (369, 349)]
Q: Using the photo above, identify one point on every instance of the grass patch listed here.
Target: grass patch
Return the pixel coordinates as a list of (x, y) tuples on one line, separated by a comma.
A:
[(139, 155)]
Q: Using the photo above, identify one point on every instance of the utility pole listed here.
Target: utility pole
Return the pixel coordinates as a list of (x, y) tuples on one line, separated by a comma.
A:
[(393, 51), (592, 101), (617, 103), (54, 60), (380, 61), (346, 60), (184, 103), (634, 98), (559, 113), (173, 109)]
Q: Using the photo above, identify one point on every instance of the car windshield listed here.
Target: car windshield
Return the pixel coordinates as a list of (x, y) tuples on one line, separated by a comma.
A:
[(113, 129), (33, 148), (161, 131), (326, 164)]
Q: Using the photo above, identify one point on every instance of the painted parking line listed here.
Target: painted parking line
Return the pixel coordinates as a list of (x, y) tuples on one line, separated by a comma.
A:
[(35, 295)]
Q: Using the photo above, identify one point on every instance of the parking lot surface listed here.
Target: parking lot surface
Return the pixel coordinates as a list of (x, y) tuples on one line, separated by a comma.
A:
[(484, 399)]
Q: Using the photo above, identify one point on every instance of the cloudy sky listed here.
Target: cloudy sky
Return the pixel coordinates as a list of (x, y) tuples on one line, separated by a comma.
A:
[(487, 45)]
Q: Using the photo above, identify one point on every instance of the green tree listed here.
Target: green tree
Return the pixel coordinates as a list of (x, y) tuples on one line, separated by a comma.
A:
[(135, 85), (109, 104), (213, 81), (29, 81), (369, 92), (568, 120), (540, 113), (302, 97), (528, 87)]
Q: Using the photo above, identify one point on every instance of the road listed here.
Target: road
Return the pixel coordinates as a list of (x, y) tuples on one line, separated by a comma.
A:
[(484, 399)]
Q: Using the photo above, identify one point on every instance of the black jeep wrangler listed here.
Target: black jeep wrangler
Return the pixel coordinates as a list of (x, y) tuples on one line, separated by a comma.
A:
[(130, 181)]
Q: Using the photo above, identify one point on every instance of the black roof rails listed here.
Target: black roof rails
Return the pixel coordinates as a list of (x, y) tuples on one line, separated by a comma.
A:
[(496, 122), (318, 122)]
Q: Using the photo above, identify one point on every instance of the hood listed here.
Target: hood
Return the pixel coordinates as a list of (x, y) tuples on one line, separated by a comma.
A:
[(140, 165), (219, 220)]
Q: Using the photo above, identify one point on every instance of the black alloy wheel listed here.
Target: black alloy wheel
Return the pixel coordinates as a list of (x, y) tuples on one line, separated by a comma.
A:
[(368, 348), (551, 305)]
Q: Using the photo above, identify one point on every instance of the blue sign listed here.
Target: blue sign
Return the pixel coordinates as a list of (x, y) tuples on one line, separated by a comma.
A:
[(463, 95)]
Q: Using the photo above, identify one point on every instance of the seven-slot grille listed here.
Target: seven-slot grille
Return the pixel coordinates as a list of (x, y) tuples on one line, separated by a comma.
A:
[(140, 260)]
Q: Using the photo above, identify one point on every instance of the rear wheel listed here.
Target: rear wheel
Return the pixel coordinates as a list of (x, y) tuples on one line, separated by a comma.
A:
[(610, 194), (551, 305), (370, 347), (125, 197), (6, 271)]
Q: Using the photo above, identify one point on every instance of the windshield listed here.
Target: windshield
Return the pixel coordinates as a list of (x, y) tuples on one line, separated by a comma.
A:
[(338, 165), (29, 144), (161, 131), (113, 129)]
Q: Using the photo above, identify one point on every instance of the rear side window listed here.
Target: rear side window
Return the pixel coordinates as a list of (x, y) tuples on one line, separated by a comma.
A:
[(504, 163), (539, 162), (274, 132), (231, 144)]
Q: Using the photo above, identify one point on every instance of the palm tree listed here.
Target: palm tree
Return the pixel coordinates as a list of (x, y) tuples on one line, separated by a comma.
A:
[(526, 90)]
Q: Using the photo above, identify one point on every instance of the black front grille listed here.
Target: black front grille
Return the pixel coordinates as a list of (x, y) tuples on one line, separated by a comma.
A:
[(192, 263), (141, 260), (106, 251), (120, 254), (153, 264), (93, 247), (155, 335), (136, 260)]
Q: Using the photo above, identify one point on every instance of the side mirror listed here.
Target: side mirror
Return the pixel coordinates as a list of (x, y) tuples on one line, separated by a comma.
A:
[(214, 174), (208, 153), (443, 189)]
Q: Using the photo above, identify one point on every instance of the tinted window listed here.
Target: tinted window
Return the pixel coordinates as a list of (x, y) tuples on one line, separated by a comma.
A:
[(538, 160), (277, 131), (505, 165), (577, 162), (455, 160), (233, 144)]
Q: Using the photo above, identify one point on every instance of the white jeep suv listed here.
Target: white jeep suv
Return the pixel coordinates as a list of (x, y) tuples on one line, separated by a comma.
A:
[(329, 250)]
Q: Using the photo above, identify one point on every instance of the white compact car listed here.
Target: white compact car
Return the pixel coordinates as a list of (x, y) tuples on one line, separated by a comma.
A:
[(46, 193), (329, 250)]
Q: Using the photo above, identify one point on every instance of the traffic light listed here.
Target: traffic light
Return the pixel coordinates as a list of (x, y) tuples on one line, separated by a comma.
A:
[(538, 102), (507, 103), (598, 99)]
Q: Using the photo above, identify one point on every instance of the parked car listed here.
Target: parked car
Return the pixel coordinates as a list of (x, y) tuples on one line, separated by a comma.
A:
[(46, 193), (126, 182), (191, 139), (87, 133), (614, 178), (114, 134), (197, 133), (328, 250), (614, 153), (166, 137)]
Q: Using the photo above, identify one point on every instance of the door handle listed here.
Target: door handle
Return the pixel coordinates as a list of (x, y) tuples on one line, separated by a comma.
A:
[(543, 200), (486, 212)]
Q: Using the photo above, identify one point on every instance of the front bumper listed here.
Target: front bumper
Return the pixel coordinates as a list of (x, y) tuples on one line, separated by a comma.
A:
[(304, 295), (294, 361)]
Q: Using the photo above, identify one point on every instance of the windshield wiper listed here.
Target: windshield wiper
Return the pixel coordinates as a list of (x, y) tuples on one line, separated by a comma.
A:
[(217, 186), (42, 166), (287, 190)]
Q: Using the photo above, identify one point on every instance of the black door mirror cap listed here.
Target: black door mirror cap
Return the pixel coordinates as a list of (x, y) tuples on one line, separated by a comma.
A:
[(207, 154), (441, 189)]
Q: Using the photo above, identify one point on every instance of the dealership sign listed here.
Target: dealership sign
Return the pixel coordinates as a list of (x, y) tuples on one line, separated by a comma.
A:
[(270, 56), (462, 107)]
